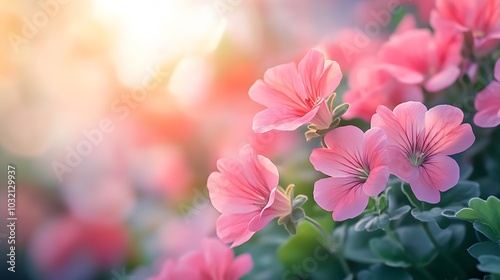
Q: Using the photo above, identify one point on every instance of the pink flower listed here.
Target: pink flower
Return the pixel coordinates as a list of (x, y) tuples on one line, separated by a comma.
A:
[(434, 64), (487, 103), (479, 17), (419, 145), (357, 165), (246, 193), (296, 96), (349, 46), (370, 87), (214, 261)]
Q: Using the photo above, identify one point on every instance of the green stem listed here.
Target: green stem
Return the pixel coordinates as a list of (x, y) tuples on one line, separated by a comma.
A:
[(327, 244), (320, 228), (461, 273)]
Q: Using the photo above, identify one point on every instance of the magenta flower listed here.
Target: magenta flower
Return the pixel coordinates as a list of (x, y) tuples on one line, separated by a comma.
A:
[(246, 193), (214, 261), (435, 65), (296, 96), (480, 18), (357, 166), (419, 145), (487, 103)]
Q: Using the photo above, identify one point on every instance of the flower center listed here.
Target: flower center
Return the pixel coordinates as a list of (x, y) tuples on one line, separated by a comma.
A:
[(363, 174), (417, 158), (311, 103)]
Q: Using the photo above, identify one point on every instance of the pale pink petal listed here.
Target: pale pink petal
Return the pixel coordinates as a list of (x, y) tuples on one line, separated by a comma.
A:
[(310, 70), (377, 180), (438, 173), (228, 199), (374, 145), (331, 79), (218, 258), (443, 79), (261, 174), (268, 96), (285, 78), (444, 132), (278, 205), (345, 144), (403, 74), (323, 117), (241, 266), (497, 70), (234, 228), (340, 195), (400, 165), (281, 118), (487, 103)]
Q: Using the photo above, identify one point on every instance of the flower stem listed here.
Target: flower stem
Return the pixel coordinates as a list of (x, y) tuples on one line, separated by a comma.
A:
[(328, 246), (461, 273)]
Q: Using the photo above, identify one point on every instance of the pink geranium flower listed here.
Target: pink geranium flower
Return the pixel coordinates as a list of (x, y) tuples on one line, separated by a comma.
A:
[(419, 145), (214, 261), (369, 87), (479, 17), (434, 64), (296, 96), (357, 165), (487, 103), (246, 192)]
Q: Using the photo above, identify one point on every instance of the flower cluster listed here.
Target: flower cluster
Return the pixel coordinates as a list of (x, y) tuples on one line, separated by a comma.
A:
[(410, 91)]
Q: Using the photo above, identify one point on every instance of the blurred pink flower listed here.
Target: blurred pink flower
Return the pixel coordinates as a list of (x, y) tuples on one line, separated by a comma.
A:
[(487, 102), (246, 193), (419, 145), (67, 241), (214, 261), (435, 64), (479, 17), (296, 96), (358, 167), (349, 46), (371, 87)]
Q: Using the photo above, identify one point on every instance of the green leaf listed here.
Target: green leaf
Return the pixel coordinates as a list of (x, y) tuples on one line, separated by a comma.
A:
[(399, 213), (382, 272), (330, 101), (489, 264), (372, 222), (299, 201), (297, 215), (485, 216), (356, 246), (391, 251), (484, 248), (340, 110), (291, 227), (451, 200)]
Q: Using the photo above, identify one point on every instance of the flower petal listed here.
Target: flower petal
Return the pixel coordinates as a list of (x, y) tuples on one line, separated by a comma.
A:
[(443, 79), (487, 103), (438, 173), (340, 195), (444, 132), (234, 228), (281, 118)]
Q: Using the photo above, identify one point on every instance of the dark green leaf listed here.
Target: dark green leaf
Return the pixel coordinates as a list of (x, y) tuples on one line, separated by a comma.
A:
[(489, 264), (382, 272), (399, 213), (484, 248), (485, 215)]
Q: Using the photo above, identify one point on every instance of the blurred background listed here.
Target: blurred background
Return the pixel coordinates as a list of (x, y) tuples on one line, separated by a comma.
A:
[(114, 113)]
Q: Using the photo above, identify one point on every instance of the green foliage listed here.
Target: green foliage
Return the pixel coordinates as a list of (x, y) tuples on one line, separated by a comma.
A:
[(485, 215), (452, 200), (382, 272)]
